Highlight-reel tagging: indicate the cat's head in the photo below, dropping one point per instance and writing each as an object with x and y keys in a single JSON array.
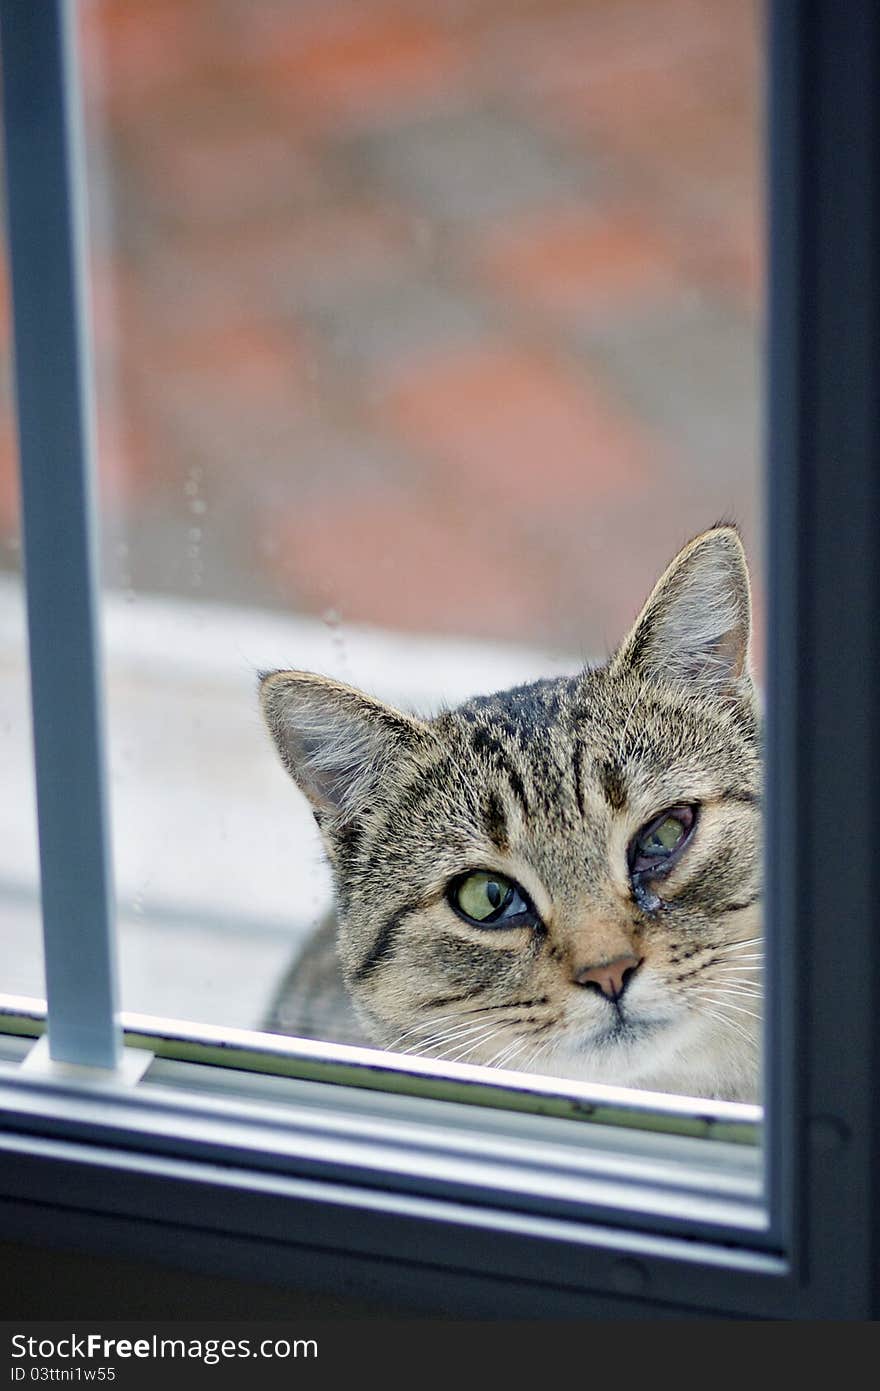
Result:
[{"x": 563, "y": 877}]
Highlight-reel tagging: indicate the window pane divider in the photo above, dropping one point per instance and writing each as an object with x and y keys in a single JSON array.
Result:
[{"x": 46, "y": 233}]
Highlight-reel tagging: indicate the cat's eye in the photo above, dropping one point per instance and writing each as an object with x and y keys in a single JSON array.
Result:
[
  {"x": 489, "y": 899},
  {"x": 657, "y": 845}
]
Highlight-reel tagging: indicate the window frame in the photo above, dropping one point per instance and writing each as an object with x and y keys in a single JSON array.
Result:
[{"x": 97, "y": 1160}]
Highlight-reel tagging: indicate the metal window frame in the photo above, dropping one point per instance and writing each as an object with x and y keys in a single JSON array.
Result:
[
  {"x": 95, "y": 1164},
  {"x": 46, "y": 221}
]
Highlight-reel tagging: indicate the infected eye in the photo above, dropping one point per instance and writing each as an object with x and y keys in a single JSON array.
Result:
[
  {"x": 656, "y": 847},
  {"x": 489, "y": 899}
]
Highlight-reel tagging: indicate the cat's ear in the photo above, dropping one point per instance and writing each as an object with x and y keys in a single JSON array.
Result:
[
  {"x": 335, "y": 742},
  {"x": 695, "y": 628}
]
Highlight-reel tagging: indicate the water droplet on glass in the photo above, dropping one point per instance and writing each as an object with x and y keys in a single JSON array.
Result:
[{"x": 423, "y": 232}]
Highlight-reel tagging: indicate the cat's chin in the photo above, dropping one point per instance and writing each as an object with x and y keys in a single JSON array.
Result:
[
  {"x": 624, "y": 1032},
  {"x": 653, "y": 1054},
  {"x": 623, "y": 1039}
]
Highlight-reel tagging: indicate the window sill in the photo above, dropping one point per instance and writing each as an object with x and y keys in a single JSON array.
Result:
[{"x": 237, "y": 1153}]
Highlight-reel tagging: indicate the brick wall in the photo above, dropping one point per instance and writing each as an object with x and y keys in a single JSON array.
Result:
[{"x": 442, "y": 316}]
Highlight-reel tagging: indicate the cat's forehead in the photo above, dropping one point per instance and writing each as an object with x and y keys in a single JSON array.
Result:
[
  {"x": 521, "y": 713},
  {"x": 620, "y": 730},
  {"x": 609, "y": 711}
]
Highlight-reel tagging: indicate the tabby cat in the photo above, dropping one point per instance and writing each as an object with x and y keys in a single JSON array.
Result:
[{"x": 562, "y": 878}]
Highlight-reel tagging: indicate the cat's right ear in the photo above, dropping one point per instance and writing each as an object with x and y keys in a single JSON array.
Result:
[
  {"x": 335, "y": 742},
  {"x": 694, "y": 631}
]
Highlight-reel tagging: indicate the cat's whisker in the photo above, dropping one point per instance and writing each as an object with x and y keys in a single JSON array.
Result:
[
  {"x": 419, "y": 1046},
  {"x": 528, "y": 1064},
  {"x": 732, "y": 987},
  {"x": 751, "y": 996},
  {"x": 541, "y": 1053},
  {"x": 454, "y": 1021},
  {"x": 520, "y": 1045},
  {"x": 728, "y": 1023},
  {"x": 512, "y": 1044},
  {"x": 518, "y": 1053},
  {"x": 456, "y": 1016},
  {"x": 507, "y": 1054},
  {"x": 422, "y": 1026},
  {"x": 484, "y": 1009},
  {"x": 471, "y": 1033},
  {"x": 514, "y": 1062},
  {"x": 462, "y": 1030},
  {"x": 426, "y": 1025},
  {"x": 745, "y": 942},
  {"x": 709, "y": 995},
  {"x": 740, "y": 1009},
  {"x": 434, "y": 1022},
  {"x": 436, "y": 1040},
  {"x": 548, "y": 1046},
  {"x": 460, "y": 1055},
  {"x": 448, "y": 1036},
  {"x": 732, "y": 1025},
  {"x": 446, "y": 1055}
]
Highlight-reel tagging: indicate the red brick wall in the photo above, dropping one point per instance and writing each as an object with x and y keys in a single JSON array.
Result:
[{"x": 443, "y": 315}]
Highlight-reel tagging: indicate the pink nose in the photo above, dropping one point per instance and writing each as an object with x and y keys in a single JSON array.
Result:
[{"x": 611, "y": 977}]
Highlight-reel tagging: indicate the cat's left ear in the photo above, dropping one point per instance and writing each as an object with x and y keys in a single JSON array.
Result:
[
  {"x": 339, "y": 745},
  {"x": 695, "y": 628}
]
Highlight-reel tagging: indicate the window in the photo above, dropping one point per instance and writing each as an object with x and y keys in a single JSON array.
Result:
[
  {"x": 668, "y": 1212},
  {"x": 339, "y": 314}
]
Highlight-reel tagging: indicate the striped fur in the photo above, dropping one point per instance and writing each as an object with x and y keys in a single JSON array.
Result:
[{"x": 548, "y": 783}]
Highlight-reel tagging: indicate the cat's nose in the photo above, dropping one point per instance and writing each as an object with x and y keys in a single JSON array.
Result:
[{"x": 610, "y": 977}]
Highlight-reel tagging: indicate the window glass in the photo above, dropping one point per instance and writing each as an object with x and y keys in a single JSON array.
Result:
[{"x": 425, "y": 336}]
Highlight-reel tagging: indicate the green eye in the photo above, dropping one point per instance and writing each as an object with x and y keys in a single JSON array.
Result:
[
  {"x": 665, "y": 836},
  {"x": 657, "y": 845},
  {"x": 481, "y": 895},
  {"x": 490, "y": 900}
]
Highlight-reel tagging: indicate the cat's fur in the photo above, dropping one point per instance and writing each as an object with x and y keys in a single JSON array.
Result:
[{"x": 548, "y": 783}]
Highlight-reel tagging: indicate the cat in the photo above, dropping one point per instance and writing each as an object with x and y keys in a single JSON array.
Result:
[{"x": 562, "y": 878}]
